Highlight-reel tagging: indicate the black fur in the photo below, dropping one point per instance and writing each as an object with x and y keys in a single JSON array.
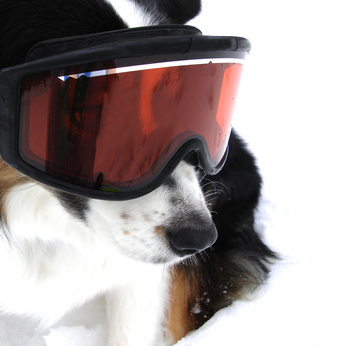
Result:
[
  {"x": 24, "y": 23},
  {"x": 238, "y": 261},
  {"x": 77, "y": 205},
  {"x": 171, "y": 12}
]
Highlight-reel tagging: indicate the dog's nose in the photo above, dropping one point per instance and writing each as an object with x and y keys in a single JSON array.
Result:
[{"x": 192, "y": 239}]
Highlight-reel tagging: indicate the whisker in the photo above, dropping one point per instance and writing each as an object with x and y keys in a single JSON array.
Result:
[
  {"x": 200, "y": 180},
  {"x": 216, "y": 185},
  {"x": 203, "y": 255},
  {"x": 213, "y": 193}
]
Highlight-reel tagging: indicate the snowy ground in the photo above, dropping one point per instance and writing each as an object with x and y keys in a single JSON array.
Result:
[{"x": 290, "y": 110}]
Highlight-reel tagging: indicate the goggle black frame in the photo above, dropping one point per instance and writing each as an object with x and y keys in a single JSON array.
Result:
[{"x": 129, "y": 47}]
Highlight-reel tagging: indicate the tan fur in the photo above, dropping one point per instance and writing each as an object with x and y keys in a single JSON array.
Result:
[
  {"x": 9, "y": 178},
  {"x": 160, "y": 230},
  {"x": 184, "y": 295}
]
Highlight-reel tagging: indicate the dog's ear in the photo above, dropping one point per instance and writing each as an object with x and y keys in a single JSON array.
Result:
[{"x": 171, "y": 11}]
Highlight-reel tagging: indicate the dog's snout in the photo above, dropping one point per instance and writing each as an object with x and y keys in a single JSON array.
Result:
[{"x": 192, "y": 239}]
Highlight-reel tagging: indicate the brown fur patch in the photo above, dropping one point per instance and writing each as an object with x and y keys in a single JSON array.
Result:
[
  {"x": 184, "y": 302},
  {"x": 125, "y": 216},
  {"x": 160, "y": 230},
  {"x": 9, "y": 178}
]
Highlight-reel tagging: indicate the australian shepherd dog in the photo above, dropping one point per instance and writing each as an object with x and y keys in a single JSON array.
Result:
[{"x": 59, "y": 250}]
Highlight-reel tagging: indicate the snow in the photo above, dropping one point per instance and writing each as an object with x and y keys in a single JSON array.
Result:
[{"x": 290, "y": 110}]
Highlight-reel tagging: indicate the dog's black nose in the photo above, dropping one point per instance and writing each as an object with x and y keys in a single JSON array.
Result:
[{"x": 192, "y": 239}]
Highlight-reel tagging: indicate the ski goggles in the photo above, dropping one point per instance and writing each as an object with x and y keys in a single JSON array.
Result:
[{"x": 111, "y": 115}]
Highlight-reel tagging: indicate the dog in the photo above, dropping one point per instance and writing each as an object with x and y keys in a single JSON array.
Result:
[{"x": 59, "y": 250}]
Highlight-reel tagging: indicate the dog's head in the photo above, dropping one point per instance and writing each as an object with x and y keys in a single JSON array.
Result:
[{"x": 165, "y": 225}]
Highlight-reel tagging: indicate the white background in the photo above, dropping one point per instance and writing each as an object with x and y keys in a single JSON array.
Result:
[{"x": 291, "y": 110}]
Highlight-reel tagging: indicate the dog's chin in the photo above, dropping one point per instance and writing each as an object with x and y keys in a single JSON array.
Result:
[{"x": 163, "y": 259}]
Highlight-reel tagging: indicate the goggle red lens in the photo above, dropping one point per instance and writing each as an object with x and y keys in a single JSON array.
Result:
[{"x": 117, "y": 127}]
